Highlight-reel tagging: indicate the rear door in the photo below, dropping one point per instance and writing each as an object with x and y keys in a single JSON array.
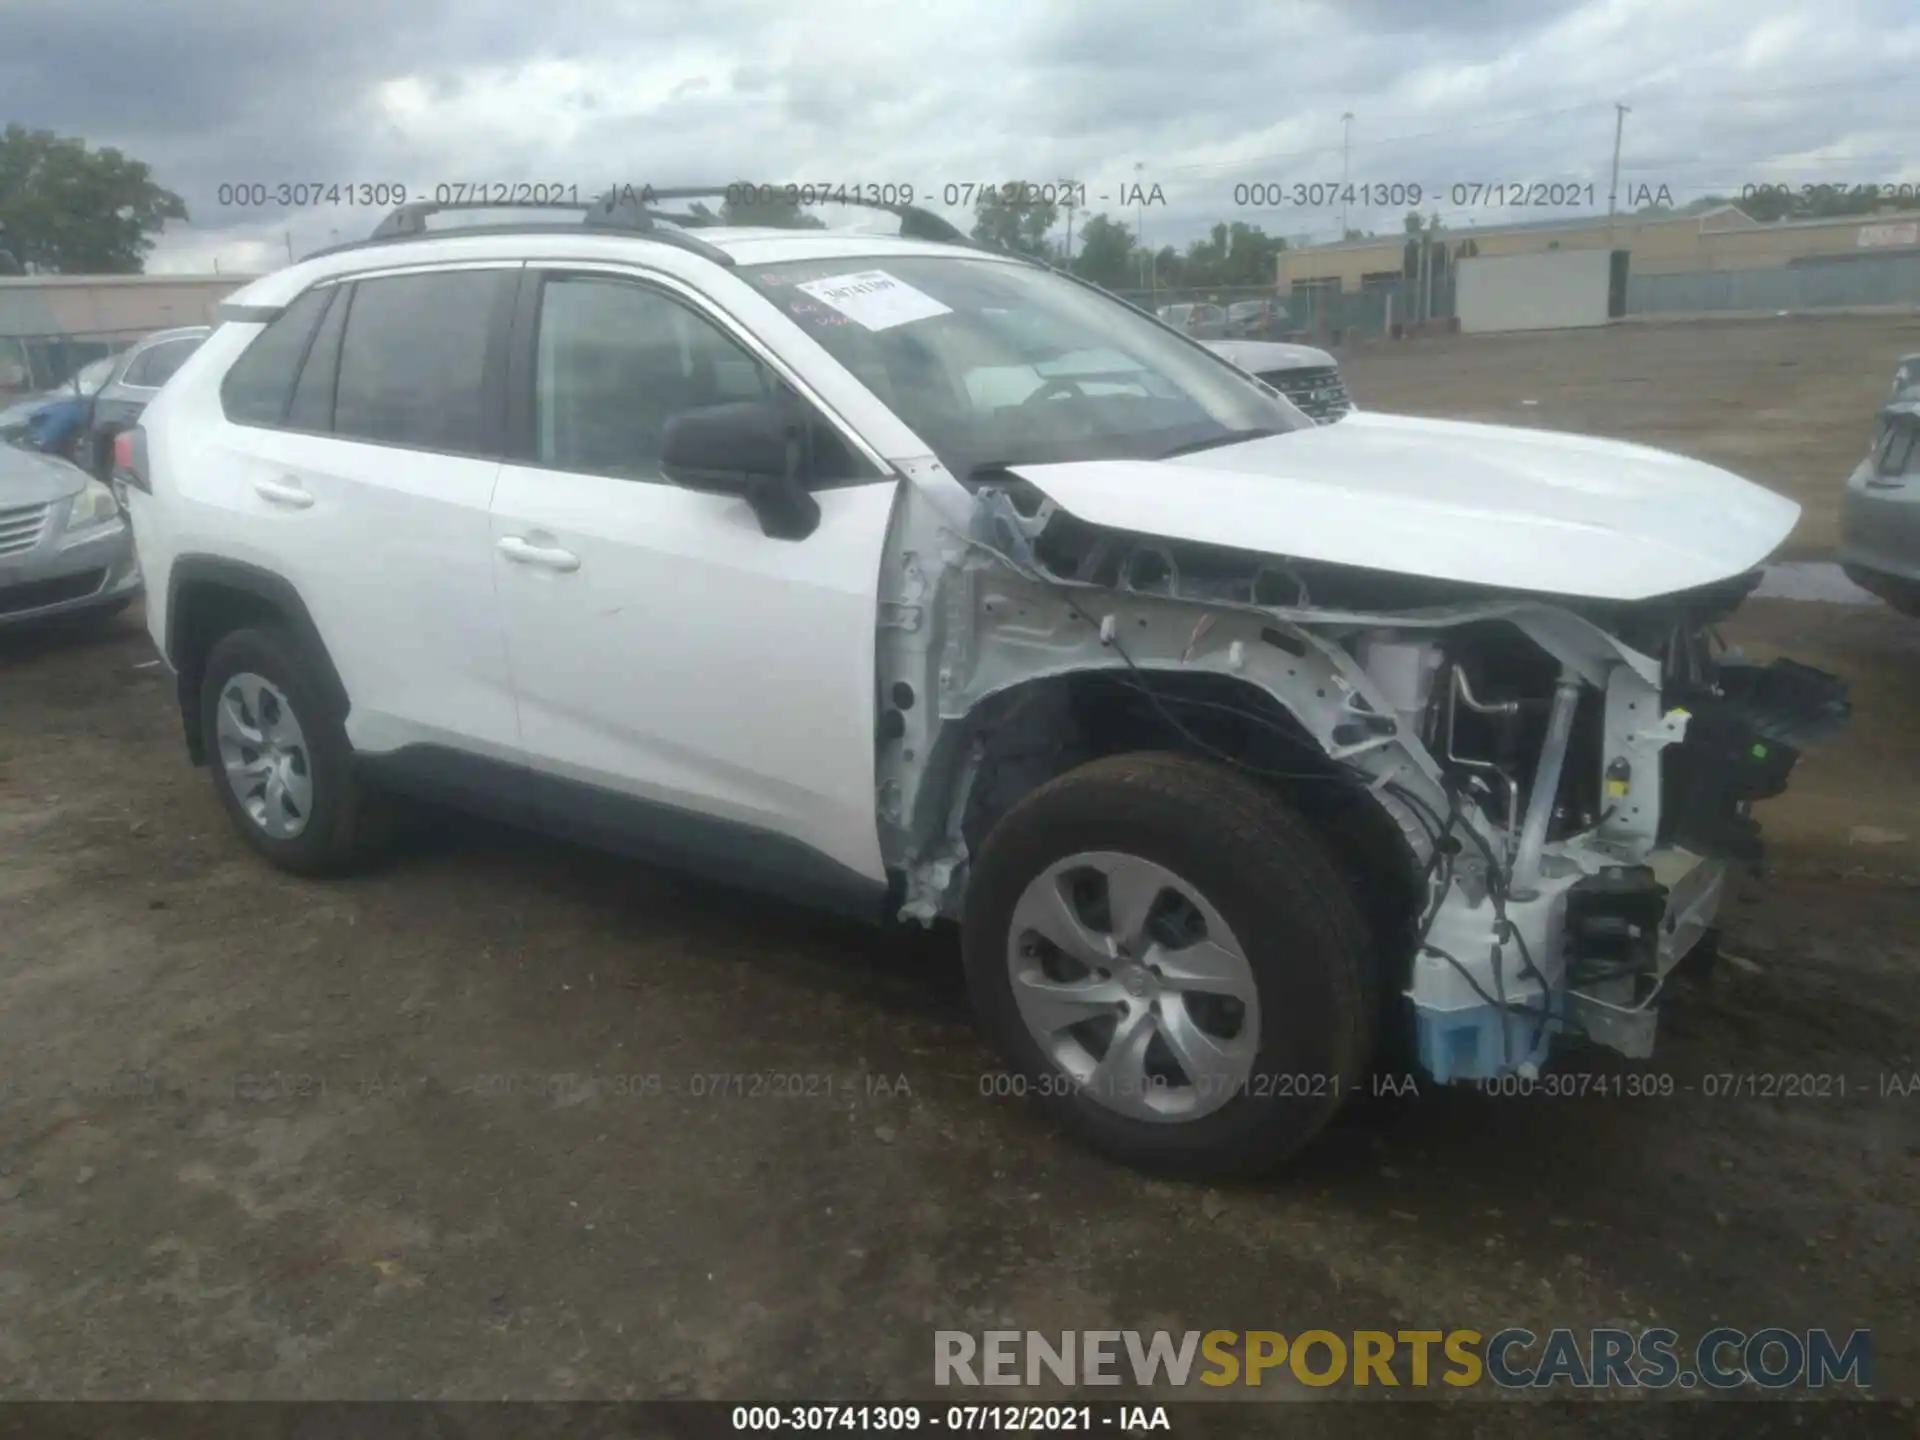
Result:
[
  {"x": 368, "y": 485},
  {"x": 688, "y": 686}
]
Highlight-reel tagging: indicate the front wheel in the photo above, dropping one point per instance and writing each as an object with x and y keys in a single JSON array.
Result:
[{"x": 1173, "y": 962}]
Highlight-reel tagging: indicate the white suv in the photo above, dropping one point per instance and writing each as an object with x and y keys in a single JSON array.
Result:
[{"x": 908, "y": 578}]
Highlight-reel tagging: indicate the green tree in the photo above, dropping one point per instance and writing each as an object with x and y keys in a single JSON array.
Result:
[
  {"x": 1107, "y": 254},
  {"x": 1237, "y": 256},
  {"x": 1016, "y": 221},
  {"x": 70, "y": 209},
  {"x": 1422, "y": 234},
  {"x": 766, "y": 207}
]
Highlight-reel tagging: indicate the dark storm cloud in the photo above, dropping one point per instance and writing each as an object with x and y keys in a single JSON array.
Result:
[{"x": 209, "y": 91}]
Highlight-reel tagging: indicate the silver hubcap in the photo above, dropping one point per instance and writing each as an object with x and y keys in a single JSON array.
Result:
[
  {"x": 1134, "y": 986},
  {"x": 264, "y": 753}
]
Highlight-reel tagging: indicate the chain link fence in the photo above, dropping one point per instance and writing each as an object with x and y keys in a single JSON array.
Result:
[
  {"x": 37, "y": 364},
  {"x": 1319, "y": 314}
]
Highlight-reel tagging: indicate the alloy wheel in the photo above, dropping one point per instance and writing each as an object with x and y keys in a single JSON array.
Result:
[
  {"x": 264, "y": 753},
  {"x": 1134, "y": 986}
]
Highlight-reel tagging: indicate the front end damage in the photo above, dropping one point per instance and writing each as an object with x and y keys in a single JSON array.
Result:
[{"x": 1561, "y": 786}]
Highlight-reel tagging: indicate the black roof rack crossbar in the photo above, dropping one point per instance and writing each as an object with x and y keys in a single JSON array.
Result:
[
  {"x": 608, "y": 212},
  {"x": 915, "y": 223}
]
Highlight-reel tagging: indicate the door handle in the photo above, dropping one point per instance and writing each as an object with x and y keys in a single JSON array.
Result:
[
  {"x": 283, "y": 492},
  {"x": 547, "y": 557}
]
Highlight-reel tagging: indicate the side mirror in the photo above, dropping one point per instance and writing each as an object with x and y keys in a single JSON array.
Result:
[{"x": 754, "y": 449}]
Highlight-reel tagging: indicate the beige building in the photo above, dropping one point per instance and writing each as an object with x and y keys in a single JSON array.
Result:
[
  {"x": 1724, "y": 238},
  {"x": 109, "y": 304}
]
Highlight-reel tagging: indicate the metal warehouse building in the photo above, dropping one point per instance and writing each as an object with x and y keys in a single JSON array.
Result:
[{"x": 1721, "y": 239}]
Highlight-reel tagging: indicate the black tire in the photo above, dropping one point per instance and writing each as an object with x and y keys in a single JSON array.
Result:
[
  {"x": 1275, "y": 884},
  {"x": 349, "y": 824}
]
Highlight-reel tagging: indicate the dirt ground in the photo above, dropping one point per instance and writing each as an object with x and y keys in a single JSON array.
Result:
[
  {"x": 1789, "y": 403},
  {"x": 435, "y": 1132}
]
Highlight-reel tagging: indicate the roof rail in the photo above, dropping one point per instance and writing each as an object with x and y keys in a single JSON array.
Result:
[{"x": 634, "y": 211}]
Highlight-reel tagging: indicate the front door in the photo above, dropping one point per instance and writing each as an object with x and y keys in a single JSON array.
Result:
[{"x": 688, "y": 686}]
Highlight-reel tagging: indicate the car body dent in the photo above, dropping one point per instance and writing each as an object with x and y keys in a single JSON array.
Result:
[{"x": 1480, "y": 504}]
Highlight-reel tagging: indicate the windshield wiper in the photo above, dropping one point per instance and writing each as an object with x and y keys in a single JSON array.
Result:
[{"x": 1232, "y": 437}]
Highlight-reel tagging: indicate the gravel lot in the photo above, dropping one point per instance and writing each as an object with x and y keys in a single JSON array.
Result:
[{"x": 398, "y": 1136}]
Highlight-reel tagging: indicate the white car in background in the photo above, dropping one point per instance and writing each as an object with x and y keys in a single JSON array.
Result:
[{"x": 1309, "y": 377}]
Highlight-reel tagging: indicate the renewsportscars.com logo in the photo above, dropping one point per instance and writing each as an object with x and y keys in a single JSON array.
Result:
[{"x": 1512, "y": 1359}]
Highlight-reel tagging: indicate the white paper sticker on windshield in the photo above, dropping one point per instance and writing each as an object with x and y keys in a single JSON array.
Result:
[{"x": 874, "y": 298}]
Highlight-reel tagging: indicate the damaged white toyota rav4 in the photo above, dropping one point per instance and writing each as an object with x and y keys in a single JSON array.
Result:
[{"x": 891, "y": 574}]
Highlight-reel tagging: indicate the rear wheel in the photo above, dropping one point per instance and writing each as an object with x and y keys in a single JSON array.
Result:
[
  {"x": 280, "y": 759},
  {"x": 1173, "y": 962}
]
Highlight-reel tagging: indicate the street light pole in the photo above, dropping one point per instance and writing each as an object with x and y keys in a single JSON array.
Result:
[
  {"x": 1140, "y": 228},
  {"x": 1613, "y": 189},
  {"x": 1346, "y": 139}
]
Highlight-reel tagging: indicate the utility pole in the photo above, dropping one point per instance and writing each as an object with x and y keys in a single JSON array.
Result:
[
  {"x": 1346, "y": 137},
  {"x": 1140, "y": 227},
  {"x": 287, "y": 235},
  {"x": 1613, "y": 189},
  {"x": 1140, "y": 215}
]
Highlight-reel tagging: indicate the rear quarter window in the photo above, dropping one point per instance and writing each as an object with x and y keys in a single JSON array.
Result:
[{"x": 257, "y": 389}]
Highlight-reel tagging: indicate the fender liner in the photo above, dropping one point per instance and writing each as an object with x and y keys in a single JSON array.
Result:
[{"x": 275, "y": 593}]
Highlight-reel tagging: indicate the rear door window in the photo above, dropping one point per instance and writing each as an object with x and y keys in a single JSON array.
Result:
[
  {"x": 414, "y": 361},
  {"x": 258, "y": 387},
  {"x": 312, "y": 407}
]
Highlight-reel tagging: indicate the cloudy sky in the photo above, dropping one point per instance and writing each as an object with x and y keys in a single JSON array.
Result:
[{"x": 1194, "y": 98}]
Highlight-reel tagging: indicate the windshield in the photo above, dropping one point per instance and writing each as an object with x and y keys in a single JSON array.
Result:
[{"x": 996, "y": 363}]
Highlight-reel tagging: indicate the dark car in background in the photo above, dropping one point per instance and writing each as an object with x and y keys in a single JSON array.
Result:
[{"x": 1880, "y": 520}]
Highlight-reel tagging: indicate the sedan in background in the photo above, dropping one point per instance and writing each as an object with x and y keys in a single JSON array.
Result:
[
  {"x": 79, "y": 418},
  {"x": 66, "y": 550},
  {"x": 1310, "y": 378},
  {"x": 1880, "y": 522},
  {"x": 136, "y": 379}
]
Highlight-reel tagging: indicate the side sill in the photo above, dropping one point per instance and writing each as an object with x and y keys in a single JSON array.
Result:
[{"x": 738, "y": 856}]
